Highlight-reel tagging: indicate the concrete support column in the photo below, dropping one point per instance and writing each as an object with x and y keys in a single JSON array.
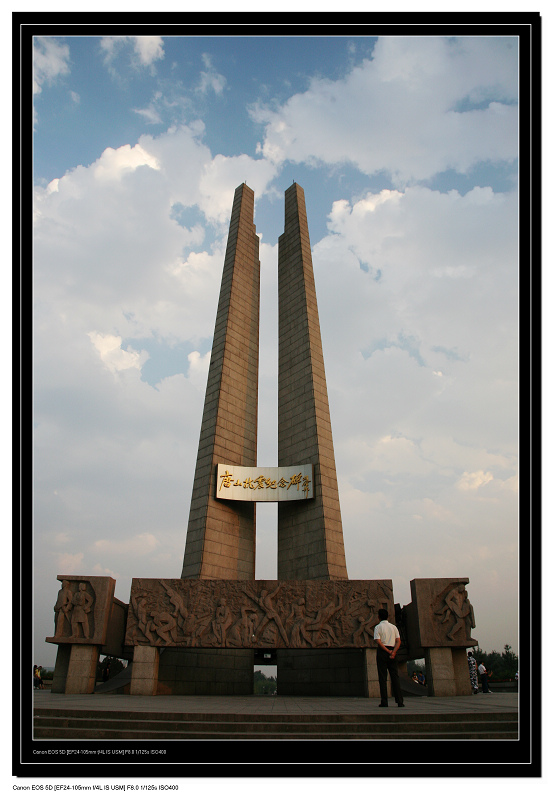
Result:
[
  {"x": 371, "y": 673},
  {"x": 441, "y": 679},
  {"x": 61, "y": 668},
  {"x": 81, "y": 672},
  {"x": 145, "y": 670},
  {"x": 461, "y": 671}
]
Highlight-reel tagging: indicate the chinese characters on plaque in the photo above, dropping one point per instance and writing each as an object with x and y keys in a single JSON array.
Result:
[{"x": 265, "y": 484}]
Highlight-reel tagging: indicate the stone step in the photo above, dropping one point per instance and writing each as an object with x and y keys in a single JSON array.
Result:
[
  {"x": 89, "y": 725},
  {"x": 175, "y": 716},
  {"x": 128, "y": 733},
  {"x": 289, "y": 725}
]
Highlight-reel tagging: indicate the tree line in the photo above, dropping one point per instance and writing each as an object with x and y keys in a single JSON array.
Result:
[
  {"x": 262, "y": 684},
  {"x": 504, "y": 666}
]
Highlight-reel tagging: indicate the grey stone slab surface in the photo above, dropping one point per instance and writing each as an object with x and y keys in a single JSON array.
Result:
[{"x": 254, "y": 704}]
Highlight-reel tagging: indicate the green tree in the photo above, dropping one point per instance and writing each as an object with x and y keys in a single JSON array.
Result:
[
  {"x": 510, "y": 661},
  {"x": 503, "y": 665},
  {"x": 262, "y": 684},
  {"x": 113, "y": 664}
]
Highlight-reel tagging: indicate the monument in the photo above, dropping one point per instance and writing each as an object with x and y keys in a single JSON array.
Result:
[{"x": 203, "y": 633}]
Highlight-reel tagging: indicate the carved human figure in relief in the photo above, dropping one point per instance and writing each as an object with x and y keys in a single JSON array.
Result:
[
  {"x": 365, "y": 612},
  {"x": 270, "y": 613},
  {"x": 241, "y": 633},
  {"x": 299, "y": 618},
  {"x": 199, "y": 621},
  {"x": 142, "y": 617},
  {"x": 62, "y": 608},
  {"x": 180, "y": 611},
  {"x": 165, "y": 625},
  {"x": 322, "y": 625},
  {"x": 361, "y": 637},
  {"x": 458, "y": 609},
  {"x": 222, "y": 621},
  {"x": 82, "y": 604}
]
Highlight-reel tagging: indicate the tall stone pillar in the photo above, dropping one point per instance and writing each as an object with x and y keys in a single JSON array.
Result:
[
  {"x": 310, "y": 535},
  {"x": 440, "y": 672},
  {"x": 81, "y": 673},
  {"x": 61, "y": 668},
  {"x": 145, "y": 671},
  {"x": 220, "y": 542},
  {"x": 371, "y": 673}
]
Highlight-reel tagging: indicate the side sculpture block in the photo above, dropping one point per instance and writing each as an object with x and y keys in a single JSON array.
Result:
[
  {"x": 439, "y": 622},
  {"x": 83, "y": 610},
  {"x": 440, "y": 614},
  {"x": 255, "y": 614}
]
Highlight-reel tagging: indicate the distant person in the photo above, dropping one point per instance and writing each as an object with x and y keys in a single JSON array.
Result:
[
  {"x": 517, "y": 675},
  {"x": 39, "y": 675},
  {"x": 36, "y": 677},
  {"x": 484, "y": 675},
  {"x": 472, "y": 666},
  {"x": 388, "y": 640}
]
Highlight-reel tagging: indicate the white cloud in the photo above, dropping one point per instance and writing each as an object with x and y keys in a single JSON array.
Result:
[
  {"x": 98, "y": 569},
  {"x": 210, "y": 78},
  {"x": 408, "y": 111},
  {"x": 221, "y": 176},
  {"x": 428, "y": 508},
  {"x": 199, "y": 368},
  {"x": 150, "y": 114},
  {"x": 381, "y": 270},
  {"x": 146, "y": 50},
  {"x": 471, "y": 481},
  {"x": 113, "y": 356},
  {"x": 141, "y": 545},
  {"x": 113, "y": 164},
  {"x": 69, "y": 563},
  {"x": 50, "y": 60}
]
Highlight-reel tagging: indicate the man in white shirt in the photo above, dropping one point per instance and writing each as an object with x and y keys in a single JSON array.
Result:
[
  {"x": 484, "y": 675},
  {"x": 388, "y": 640}
]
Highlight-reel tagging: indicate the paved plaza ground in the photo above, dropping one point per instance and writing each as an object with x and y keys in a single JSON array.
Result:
[{"x": 251, "y": 704}]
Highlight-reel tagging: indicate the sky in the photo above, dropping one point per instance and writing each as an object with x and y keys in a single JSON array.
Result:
[{"x": 407, "y": 150}]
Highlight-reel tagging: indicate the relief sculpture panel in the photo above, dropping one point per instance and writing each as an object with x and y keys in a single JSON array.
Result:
[
  {"x": 255, "y": 614},
  {"x": 443, "y": 612},
  {"x": 81, "y": 610}
]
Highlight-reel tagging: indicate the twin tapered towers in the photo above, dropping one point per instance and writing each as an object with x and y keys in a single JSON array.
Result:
[{"x": 221, "y": 533}]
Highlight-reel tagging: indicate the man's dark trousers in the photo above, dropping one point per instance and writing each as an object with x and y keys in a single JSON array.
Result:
[{"x": 386, "y": 664}]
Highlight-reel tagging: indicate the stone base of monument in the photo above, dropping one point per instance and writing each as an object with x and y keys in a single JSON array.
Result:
[
  {"x": 199, "y": 637},
  {"x": 330, "y": 673},
  {"x": 446, "y": 672},
  {"x": 205, "y": 671},
  {"x": 75, "y": 670}
]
